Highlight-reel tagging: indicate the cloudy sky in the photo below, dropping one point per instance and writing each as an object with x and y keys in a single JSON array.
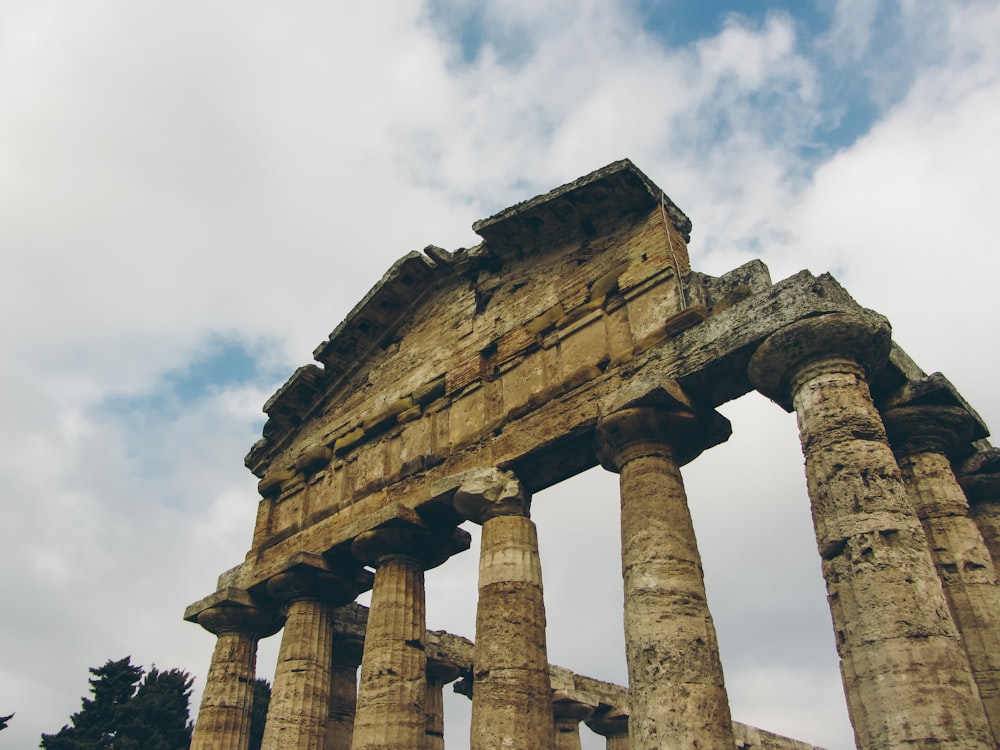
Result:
[{"x": 194, "y": 194}]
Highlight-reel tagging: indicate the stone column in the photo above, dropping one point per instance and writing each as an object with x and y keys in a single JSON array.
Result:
[
  {"x": 612, "y": 724},
  {"x": 906, "y": 677},
  {"x": 224, "y": 717},
  {"x": 923, "y": 437},
  {"x": 343, "y": 692},
  {"x": 512, "y": 691},
  {"x": 677, "y": 695},
  {"x": 300, "y": 697},
  {"x": 393, "y": 685},
  {"x": 568, "y": 714},
  {"x": 439, "y": 674},
  {"x": 979, "y": 477}
]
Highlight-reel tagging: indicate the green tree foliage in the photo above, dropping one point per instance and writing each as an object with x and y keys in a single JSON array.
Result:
[
  {"x": 258, "y": 712},
  {"x": 129, "y": 711}
]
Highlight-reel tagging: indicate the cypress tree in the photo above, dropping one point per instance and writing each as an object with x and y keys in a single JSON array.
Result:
[
  {"x": 94, "y": 725},
  {"x": 129, "y": 711}
]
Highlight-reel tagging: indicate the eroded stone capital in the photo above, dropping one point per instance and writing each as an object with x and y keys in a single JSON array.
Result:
[
  {"x": 565, "y": 707},
  {"x": 421, "y": 546},
  {"x": 611, "y": 722},
  {"x": 984, "y": 461},
  {"x": 678, "y": 434},
  {"x": 235, "y": 618},
  {"x": 442, "y": 672},
  {"x": 979, "y": 476},
  {"x": 486, "y": 493},
  {"x": 928, "y": 428},
  {"x": 304, "y": 582},
  {"x": 812, "y": 345},
  {"x": 981, "y": 488},
  {"x": 235, "y": 610}
]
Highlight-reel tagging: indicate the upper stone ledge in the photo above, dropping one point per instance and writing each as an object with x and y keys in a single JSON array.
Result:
[
  {"x": 911, "y": 433},
  {"x": 578, "y": 208},
  {"x": 397, "y": 290},
  {"x": 933, "y": 390}
]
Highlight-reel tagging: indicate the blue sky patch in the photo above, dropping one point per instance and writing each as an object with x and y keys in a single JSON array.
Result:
[
  {"x": 227, "y": 362},
  {"x": 222, "y": 363},
  {"x": 681, "y": 22}
]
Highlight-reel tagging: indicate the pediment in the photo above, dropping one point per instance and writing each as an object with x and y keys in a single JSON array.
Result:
[{"x": 440, "y": 322}]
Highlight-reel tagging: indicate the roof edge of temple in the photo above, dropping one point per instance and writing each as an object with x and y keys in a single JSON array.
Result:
[{"x": 619, "y": 187}]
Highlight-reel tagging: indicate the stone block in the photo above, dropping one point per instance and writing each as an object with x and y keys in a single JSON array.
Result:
[
  {"x": 585, "y": 349},
  {"x": 466, "y": 419},
  {"x": 648, "y": 312},
  {"x": 521, "y": 383}
]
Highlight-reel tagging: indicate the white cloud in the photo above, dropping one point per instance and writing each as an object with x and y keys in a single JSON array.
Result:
[
  {"x": 851, "y": 31},
  {"x": 905, "y": 213}
]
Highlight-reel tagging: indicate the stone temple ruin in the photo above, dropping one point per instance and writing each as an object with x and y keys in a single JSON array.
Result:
[{"x": 577, "y": 334}]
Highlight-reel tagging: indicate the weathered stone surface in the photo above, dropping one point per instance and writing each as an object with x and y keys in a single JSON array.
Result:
[
  {"x": 610, "y": 700},
  {"x": 611, "y": 722},
  {"x": 906, "y": 676},
  {"x": 300, "y": 696},
  {"x": 568, "y": 713},
  {"x": 345, "y": 660},
  {"x": 783, "y": 361},
  {"x": 484, "y": 493},
  {"x": 224, "y": 716},
  {"x": 923, "y": 436},
  {"x": 554, "y": 439},
  {"x": 512, "y": 701},
  {"x": 677, "y": 692},
  {"x": 979, "y": 476},
  {"x": 393, "y": 684},
  {"x": 439, "y": 674}
]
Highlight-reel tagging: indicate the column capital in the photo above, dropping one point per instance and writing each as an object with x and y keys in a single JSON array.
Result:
[
  {"x": 239, "y": 619},
  {"x": 442, "y": 671},
  {"x": 928, "y": 428},
  {"x": 429, "y": 548},
  {"x": 483, "y": 494},
  {"x": 979, "y": 476},
  {"x": 306, "y": 582},
  {"x": 566, "y": 707},
  {"x": 857, "y": 342},
  {"x": 673, "y": 432},
  {"x": 233, "y": 610},
  {"x": 611, "y": 722}
]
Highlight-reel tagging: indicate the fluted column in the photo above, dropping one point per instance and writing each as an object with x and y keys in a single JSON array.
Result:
[
  {"x": 677, "y": 695},
  {"x": 439, "y": 674},
  {"x": 224, "y": 717},
  {"x": 512, "y": 693},
  {"x": 343, "y": 692},
  {"x": 923, "y": 437},
  {"x": 979, "y": 477},
  {"x": 300, "y": 697},
  {"x": 393, "y": 684},
  {"x": 612, "y": 724},
  {"x": 906, "y": 677},
  {"x": 567, "y": 715}
]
